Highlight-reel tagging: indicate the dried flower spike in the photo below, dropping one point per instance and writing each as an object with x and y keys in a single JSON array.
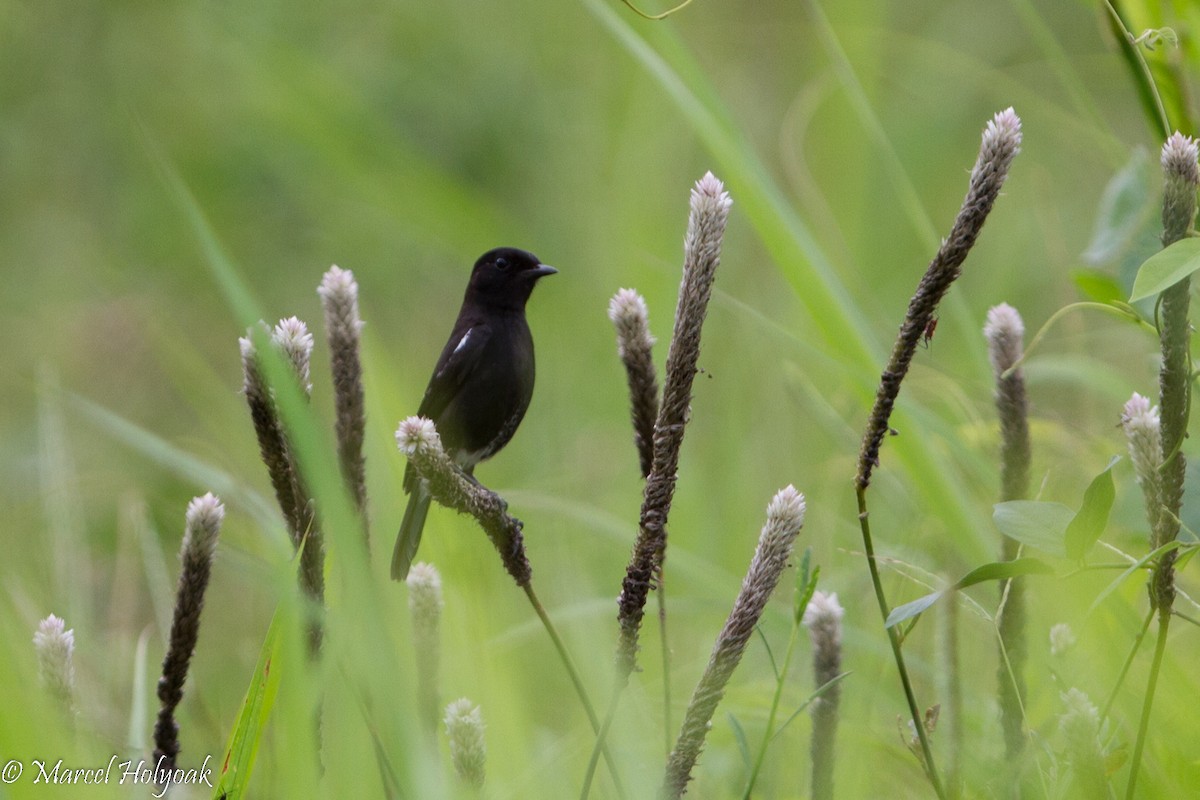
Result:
[
  {"x": 710, "y": 205},
  {"x": 203, "y": 526},
  {"x": 291, "y": 336},
  {"x": 54, "y": 644},
  {"x": 1079, "y": 726},
  {"x": 1062, "y": 639},
  {"x": 468, "y": 751},
  {"x": 1001, "y": 143},
  {"x": 272, "y": 443},
  {"x": 785, "y": 516},
  {"x": 425, "y": 610},
  {"x": 1181, "y": 177},
  {"x": 1143, "y": 432},
  {"x": 339, "y": 299},
  {"x": 823, "y": 618},
  {"x": 1005, "y": 333},
  {"x": 418, "y": 439},
  {"x": 628, "y": 313}
]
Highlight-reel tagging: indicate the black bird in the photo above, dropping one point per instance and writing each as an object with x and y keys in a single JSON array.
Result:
[{"x": 483, "y": 380}]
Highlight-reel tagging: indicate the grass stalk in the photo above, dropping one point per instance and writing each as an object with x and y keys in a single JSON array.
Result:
[
  {"x": 565, "y": 657},
  {"x": 897, "y": 653},
  {"x": 1160, "y": 647},
  {"x": 767, "y": 734}
]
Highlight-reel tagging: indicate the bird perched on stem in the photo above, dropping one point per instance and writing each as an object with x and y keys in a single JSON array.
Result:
[{"x": 483, "y": 380}]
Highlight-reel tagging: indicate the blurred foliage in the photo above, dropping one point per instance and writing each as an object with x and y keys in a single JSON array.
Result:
[{"x": 402, "y": 140}]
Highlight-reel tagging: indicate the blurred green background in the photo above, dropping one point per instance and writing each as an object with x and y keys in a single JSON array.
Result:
[{"x": 400, "y": 141}]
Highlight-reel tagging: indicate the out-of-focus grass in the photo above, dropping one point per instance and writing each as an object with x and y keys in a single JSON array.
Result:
[{"x": 402, "y": 141}]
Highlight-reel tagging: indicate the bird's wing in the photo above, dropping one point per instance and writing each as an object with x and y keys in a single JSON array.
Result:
[{"x": 461, "y": 356}]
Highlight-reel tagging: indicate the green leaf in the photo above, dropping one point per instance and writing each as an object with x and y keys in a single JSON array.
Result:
[
  {"x": 1134, "y": 567},
  {"x": 995, "y": 571},
  {"x": 137, "y": 711},
  {"x": 1087, "y": 525},
  {"x": 804, "y": 588},
  {"x": 999, "y": 570},
  {"x": 252, "y": 720},
  {"x": 911, "y": 609},
  {"x": 1097, "y": 286},
  {"x": 1124, "y": 204},
  {"x": 1166, "y": 268},
  {"x": 1035, "y": 523},
  {"x": 822, "y": 689}
]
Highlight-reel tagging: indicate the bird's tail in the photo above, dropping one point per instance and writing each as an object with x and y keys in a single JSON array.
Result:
[{"x": 410, "y": 533}]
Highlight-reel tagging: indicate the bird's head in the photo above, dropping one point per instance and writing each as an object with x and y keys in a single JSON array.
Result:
[{"x": 504, "y": 277}]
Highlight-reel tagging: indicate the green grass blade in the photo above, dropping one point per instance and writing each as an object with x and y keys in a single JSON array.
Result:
[
  {"x": 138, "y": 724},
  {"x": 180, "y": 462},
  {"x": 236, "y": 291},
  {"x": 238, "y": 763},
  {"x": 789, "y": 241}
]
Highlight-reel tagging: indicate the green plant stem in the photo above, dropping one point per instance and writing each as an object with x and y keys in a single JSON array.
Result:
[
  {"x": 1145, "y": 77},
  {"x": 1160, "y": 647},
  {"x": 1137, "y": 643},
  {"x": 656, "y": 17},
  {"x": 894, "y": 638},
  {"x": 767, "y": 734},
  {"x": 602, "y": 736},
  {"x": 1186, "y": 618},
  {"x": 1123, "y": 312},
  {"x": 565, "y": 657}
]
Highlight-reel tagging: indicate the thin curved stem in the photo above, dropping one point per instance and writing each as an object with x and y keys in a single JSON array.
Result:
[
  {"x": 601, "y": 738},
  {"x": 1146, "y": 76},
  {"x": 1160, "y": 647},
  {"x": 1057, "y": 315},
  {"x": 565, "y": 657},
  {"x": 898, "y": 654},
  {"x": 656, "y": 17},
  {"x": 768, "y": 735},
  {"x": 1137, "y": 643}
]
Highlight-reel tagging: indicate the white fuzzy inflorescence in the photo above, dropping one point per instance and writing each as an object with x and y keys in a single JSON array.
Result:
[
  {"x": 55, "y": 647},
  {"x": 785, "y": 512},
  {"x": 203, "y": 524},
  {"x": 1143, "y": 431},
  {"x": 629, "y": 314},
  {"x": 1062, "y": 639},
  {"x": 417, "y": 433},
  {"x": 292, "y": 337},
  {"x": 1179, "y": 158},
  {"x": 464, "y": 728},
  {"x": 1004, "y": 331}
]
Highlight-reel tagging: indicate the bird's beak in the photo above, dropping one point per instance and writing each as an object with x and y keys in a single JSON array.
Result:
[{"x": 541, "y": 271}]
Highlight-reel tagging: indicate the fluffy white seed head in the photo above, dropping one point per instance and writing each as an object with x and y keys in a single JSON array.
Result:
[
  {"x": 55, "y": 647},
  {"x": 1179, "y": 159},
  {"x": 417, "y": 433},
  {"x": 464, "y": 728},
  {"x": 1003, "y": 133},
  {"x": 786, "y": 509},
  {"x": 424, "y": 591},
  {"x": 292, "y": 337},
  {"x": 709, "y": 196},
  {"x": 203, "y": 524},
  {"x": 823, "y": 609},
  {"x": 1143, "y": 432},
  {"x": 1062, "y": 639},
  {"x": 629, "y": 314},
  {"x": 1005, "y": 332}
]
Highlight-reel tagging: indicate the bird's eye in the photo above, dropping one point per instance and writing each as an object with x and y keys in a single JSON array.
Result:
[{"x": 502, "y": 263}]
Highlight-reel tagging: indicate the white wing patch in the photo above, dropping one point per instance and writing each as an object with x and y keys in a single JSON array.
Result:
[{"x": 463, "y": 341}]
